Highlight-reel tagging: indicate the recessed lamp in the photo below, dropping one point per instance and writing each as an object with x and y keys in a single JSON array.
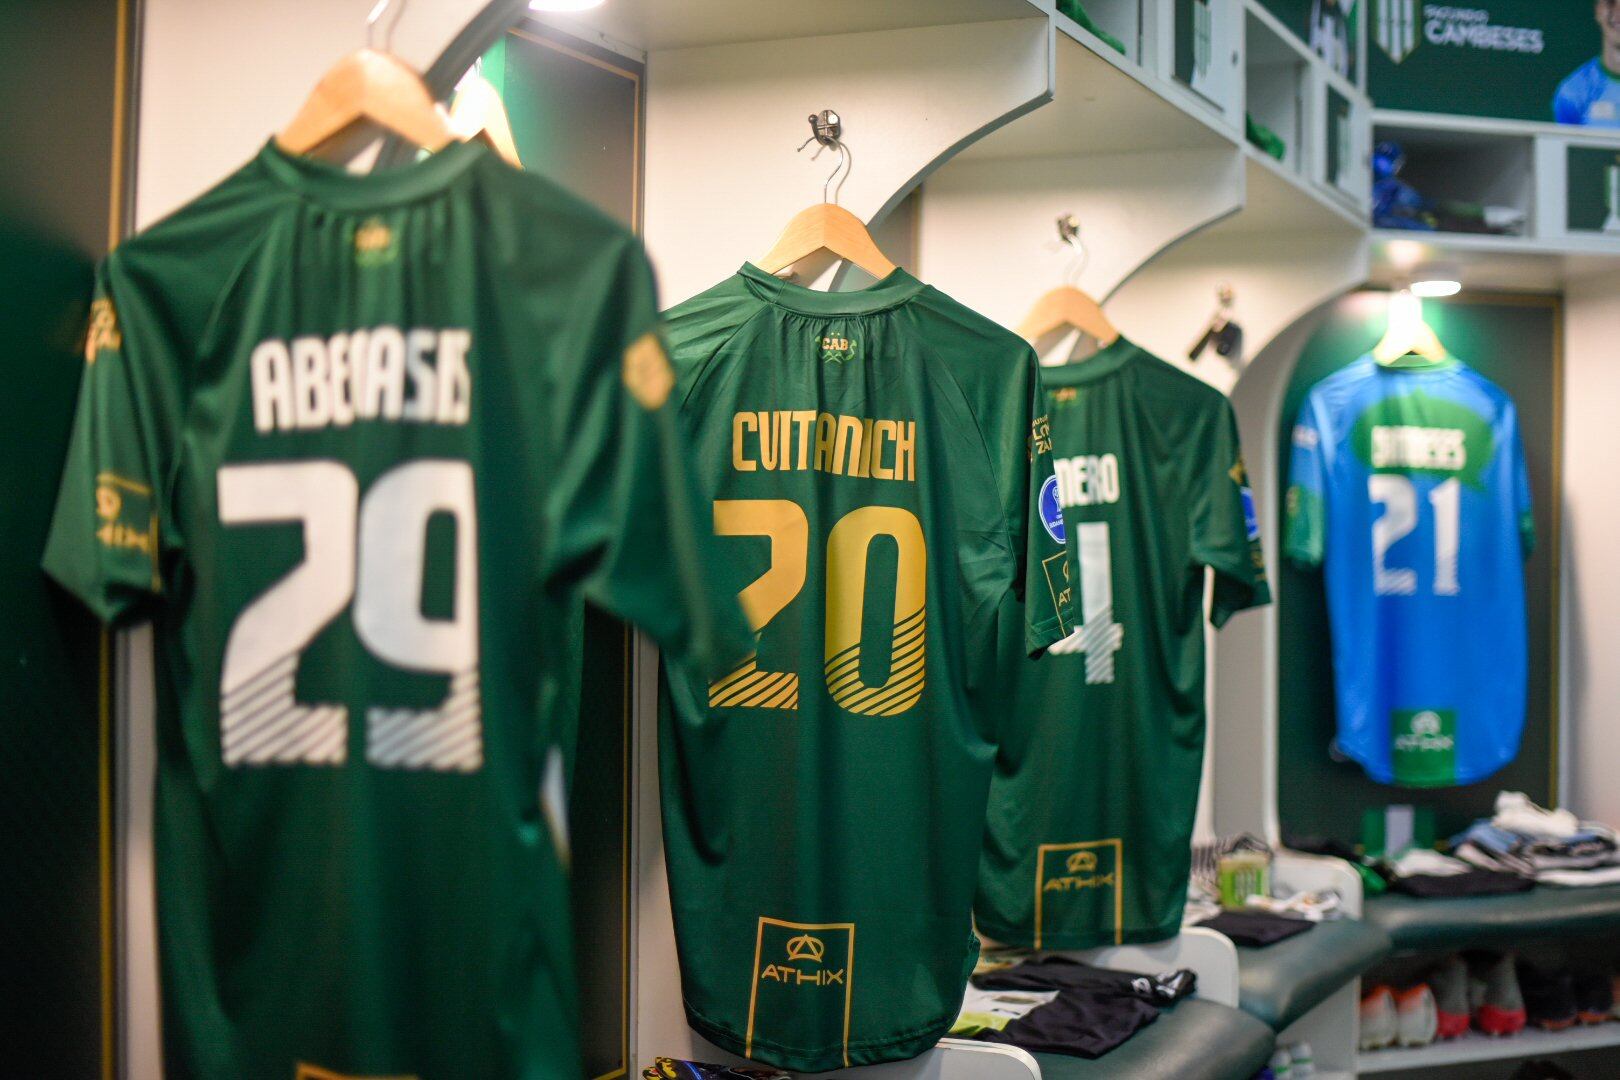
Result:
[
  {"x": 1436, "y": 287},
  {"x": 564, "y": 5}
]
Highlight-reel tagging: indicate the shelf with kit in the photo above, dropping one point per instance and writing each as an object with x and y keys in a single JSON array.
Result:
[{"x": 1474, "y": 1046}]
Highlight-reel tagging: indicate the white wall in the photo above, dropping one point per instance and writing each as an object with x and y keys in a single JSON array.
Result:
[{"x": 1591, "y": 570}]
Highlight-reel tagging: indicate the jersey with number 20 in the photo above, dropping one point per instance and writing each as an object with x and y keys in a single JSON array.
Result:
[
  {"x": 1411, "y": 485},
  {"x": 876, "y": 458},
  {"x": 356, "y": 444}
]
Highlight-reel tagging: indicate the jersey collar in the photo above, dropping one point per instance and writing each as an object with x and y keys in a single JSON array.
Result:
[
  {"x": 891, "y": 292},
  {"x": 334, "y": 186},
  {"x": 1099, "y": 365}
]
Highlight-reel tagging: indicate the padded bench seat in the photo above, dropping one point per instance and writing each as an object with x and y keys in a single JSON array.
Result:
[
  {"x": 1280, "y": 983},
  {"x": 1546, "y": 912},
  {"x": 1195, "y": 1040}
]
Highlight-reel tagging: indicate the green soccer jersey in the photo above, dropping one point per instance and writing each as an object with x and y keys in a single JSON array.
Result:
[
  {"x": 356, "y": 445},
  {"x": 1096, "y": 783},
  {"x": 877, "y": 457}
]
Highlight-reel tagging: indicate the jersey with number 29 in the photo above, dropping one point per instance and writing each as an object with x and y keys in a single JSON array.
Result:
[
  {"x": 876, "y": 457},
  {"x": 356, "y": 444},
  {"x": 1411, "y": 485}
]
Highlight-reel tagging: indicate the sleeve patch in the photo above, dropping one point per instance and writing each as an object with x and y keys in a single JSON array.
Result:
[
  {"x": 103, "y": 332},
  {"x": 647, "y": 372}
]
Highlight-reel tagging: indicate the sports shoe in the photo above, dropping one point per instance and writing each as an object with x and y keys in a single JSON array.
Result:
[
  {"x": 1416, "y": 1022},
  {"x": 1449, "y": 982},
  {"x": 1380, "y": 1024},
  {"x": 1304, "y": 1061},
  {"x": 1282, "y": 1064},
  {"x": 1500, "y": 1008},
  {"x": 1594, "y": 997},
  {"x": 1549, "y": 997}
]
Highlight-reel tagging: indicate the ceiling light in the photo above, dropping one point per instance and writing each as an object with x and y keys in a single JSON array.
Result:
[
  {"x": 564, "y": 5},
  {"x": 1435, "y": 287}
]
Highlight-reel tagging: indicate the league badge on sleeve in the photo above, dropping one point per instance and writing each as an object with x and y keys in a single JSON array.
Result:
[{"x": 1051, "y": 512}]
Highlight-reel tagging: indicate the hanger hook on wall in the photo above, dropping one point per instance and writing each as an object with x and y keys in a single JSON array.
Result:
[
  {"x": 376, "y": 14},
  {"x": 1068, "y": 229},
  {"x": 827, "y": 132}
]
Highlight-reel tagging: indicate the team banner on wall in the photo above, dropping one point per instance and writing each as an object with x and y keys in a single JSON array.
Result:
[
  {"x": 1327, "y": 26},
  {"x": 1544, "y": 60}
]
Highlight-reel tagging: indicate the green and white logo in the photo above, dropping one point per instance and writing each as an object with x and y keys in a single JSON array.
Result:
[
  {"x": 1395, "y": 27},
  {"x": 836, "y": 349},
  {"x": 1424, "y": 746}
]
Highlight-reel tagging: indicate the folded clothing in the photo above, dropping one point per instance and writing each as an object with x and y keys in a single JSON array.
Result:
[
  {"x": 674, "y": 1069},
  {"x": 1081, "y": 1023},
  {"x": 1523, "y": 838},
  {"x": 1095, "y": 1010},
  {"x": 1256, "y": 929},
  {"x": 993, "y": 1010},
  {"x": 1061, "y": 973},
  {"x": 1468, "y": 883}
]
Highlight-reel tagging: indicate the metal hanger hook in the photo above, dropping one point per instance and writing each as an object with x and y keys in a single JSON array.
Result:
[
  {"x": 846, "y": 161},
  {"x": 826, "y": 131},
  {"x": 376, "y": 14},
  {"x": 1068, "y": 227}
]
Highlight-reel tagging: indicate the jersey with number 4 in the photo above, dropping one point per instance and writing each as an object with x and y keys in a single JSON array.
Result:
[
  {"x": 356, "y": 444},
  {"x": 1096, "y": 783},
  {"x": 1411, "y": 486},
  {"x": 876, "y": 458}
]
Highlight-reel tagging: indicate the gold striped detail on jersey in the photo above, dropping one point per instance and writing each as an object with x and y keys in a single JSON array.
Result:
[
  {"x": 749, "y": 688},
  {"x": 904, "y": 686}
]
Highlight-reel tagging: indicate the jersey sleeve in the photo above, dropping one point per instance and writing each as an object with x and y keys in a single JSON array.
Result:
[
  {"x": 626, "y": 513},
  {"x": 108, "y": 532},
  {"x": 1523, "y": 505},
  {"x": 1306, "y": 527},
  {"x": 1567, "y": 106},
  {"x": 1226, "y": 533},
  {"x": 1047, "y": 595}
]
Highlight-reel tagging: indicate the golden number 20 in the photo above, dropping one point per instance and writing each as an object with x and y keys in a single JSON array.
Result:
[{"x": 784, "y": 522}]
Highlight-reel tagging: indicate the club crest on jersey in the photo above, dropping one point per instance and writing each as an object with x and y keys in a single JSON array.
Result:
[
  {"x": 375, "y": 243},
  {"x": 836, "y": 349},
  {"x": 1052, "y": 512},
  {"x": 647, "y": 372}
]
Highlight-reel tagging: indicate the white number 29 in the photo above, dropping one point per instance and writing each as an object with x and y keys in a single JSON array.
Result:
[{"x": 371, "y": 551}]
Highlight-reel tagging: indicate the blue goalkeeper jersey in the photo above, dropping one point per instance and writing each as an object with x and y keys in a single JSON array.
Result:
[{"x": 1409, "y": 487}]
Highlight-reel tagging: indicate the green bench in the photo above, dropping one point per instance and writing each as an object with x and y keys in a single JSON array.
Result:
[
  {"x": 1195, "y": 1040},
  {"x": 1280, "y": 983},
  {"x": 1544, "y": 913}
]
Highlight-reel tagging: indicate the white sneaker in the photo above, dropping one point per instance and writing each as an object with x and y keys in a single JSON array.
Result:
[
  {"x": 1419, "y": 1020},
  {"x": 1380, "y": 1025},
  {"x": 1282, "y": 1065},
  {"x": 1304, "y": 1061}
]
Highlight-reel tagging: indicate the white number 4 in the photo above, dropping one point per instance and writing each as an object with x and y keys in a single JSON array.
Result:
[
  {"x": 372, "y": 551},
  {"x": 1098, "y": 636}
]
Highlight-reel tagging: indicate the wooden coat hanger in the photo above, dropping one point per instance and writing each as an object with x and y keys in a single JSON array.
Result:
[
  {"x": 1064, "y": 307},
  {"x": 1067, "y": 306},
  {"x": 827, "y": 226},
  {"x": 368, "y": 85},
  {"x": 479, "y": 113},
  {"x": 1409, "y": 342}
]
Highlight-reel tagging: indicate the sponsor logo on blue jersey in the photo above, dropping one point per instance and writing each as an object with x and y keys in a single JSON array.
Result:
[{"x": 1051, "y": 512}]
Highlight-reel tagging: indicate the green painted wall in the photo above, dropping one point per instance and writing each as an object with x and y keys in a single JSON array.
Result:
[
  {"x": 1512, "y": 342},
  {"x": 57, "y": 77}
]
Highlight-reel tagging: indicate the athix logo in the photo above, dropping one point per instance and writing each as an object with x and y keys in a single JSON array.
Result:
[
  {"x": 836, "y": 349},
  {"x": 1425, "y": 734},
  {"x": 804, "y": 949},
  {"x": 1396, "y": 27},
  {"x": 1082, "y": 862}
]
